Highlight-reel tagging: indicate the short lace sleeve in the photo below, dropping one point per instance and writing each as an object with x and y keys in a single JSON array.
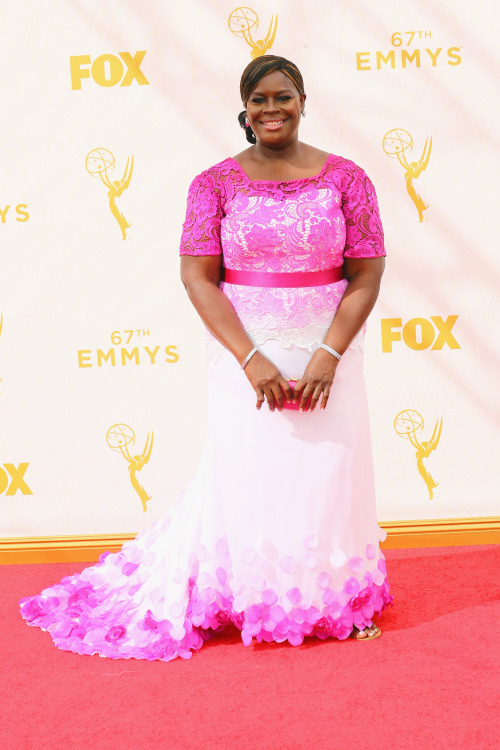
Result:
[
  {"x": 201, "y": 228},
  {"x": 364, "y": 233}
]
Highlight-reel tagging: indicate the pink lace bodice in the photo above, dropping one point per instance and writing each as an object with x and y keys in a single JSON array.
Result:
[{"x": 308, "y": 224}]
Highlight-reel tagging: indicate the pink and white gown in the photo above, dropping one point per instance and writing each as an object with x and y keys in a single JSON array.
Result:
[{"x": 277, "y": 532}]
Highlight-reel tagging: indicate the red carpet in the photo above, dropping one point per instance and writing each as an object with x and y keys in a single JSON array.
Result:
[{"x": 431, "y": 681}]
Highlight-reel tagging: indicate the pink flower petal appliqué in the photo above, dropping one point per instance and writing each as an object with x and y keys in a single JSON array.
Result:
[
  {"x": 323, "y": 580},
  {"x": 288, "y": 564},
  {"x": 269, "y": 597},
  {"x": 356, "y": 564},
  {"x": 310, "y": 560},
  {"x": 338, "y": 558},
  {"x": 311, "y": 541},
  {"x": 294, "y": 595},
  {"x": 371, "y": 551}
]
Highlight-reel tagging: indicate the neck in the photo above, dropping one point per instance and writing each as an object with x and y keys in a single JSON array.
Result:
[{"x": 285, "y": 152}]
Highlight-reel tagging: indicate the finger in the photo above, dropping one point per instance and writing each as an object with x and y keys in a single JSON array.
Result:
[
  {"x": 287, "y": 390},
  {"x": 270, "y": 399},
  {"x": 278, "y": 396},
  {"x": 316, "y": 394},
  {"x": 306, "y": 393},
  {"x": 260, "y": 399},
  {"x": 297, "y": 389},
  {"x": 324, "y": 400}
]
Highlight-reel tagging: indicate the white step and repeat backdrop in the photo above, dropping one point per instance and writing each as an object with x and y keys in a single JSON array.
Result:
[{"x": 109, "y": 109}]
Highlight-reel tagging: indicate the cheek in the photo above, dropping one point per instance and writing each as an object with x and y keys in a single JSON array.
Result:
[
  {"x": 293, "y": 108},
  {"x": 294, "y": 114}
]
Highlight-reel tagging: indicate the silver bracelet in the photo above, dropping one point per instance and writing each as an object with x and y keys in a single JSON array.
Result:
[
  {"x": 331, "y": 351},
  {"x": 248, "y": 358}
]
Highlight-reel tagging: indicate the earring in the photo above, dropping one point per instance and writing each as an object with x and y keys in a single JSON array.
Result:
[
  {"x": 303, "y": 113},
  {"x": 247, "y": 124}
]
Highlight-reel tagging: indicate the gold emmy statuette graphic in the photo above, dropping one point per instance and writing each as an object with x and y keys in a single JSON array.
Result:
[
  {"x": 119, "y": 437},
  {"x": 241, "y": 22},
  {"x": 396, "y": 143},
  {"x": 98, "y": 162},
  {"x": 406, "y": 424}
]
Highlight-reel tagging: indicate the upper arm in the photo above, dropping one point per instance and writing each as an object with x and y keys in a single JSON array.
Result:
[
  {"x": 201, "y": 228},
  {"x": 364, "y": 233},
  {"x": 201, "y": 268},
  {"x": 371, "y": 269}
]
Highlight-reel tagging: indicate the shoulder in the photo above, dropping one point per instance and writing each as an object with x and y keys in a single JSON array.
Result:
[
  {"x": 244, "y": 155},
  {"x": 216, "y": 172},
  {"x": 214, "y": 180},
  {"x": 315, "y": 155},
  {"x": 346, "y": 174},
  {"x": 339, "y": 165}
]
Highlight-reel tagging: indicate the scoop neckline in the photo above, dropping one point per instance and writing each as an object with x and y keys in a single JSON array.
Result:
[{"x": 281, "y": 182}]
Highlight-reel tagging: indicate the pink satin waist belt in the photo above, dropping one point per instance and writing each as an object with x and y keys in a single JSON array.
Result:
[{"x": 295, "y": 279}]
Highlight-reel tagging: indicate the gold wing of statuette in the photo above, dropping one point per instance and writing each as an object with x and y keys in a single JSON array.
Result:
[
  {"x": 269, "y": 40},
  {"x": 146, "y": 453},
  {"x": 424, "y": 159},
  {"x": 433, "y": 442},
  {"x": 127, "y": 176}
]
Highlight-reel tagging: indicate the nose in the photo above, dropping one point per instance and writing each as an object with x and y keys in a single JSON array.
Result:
[{"x": 270, "y": 106}]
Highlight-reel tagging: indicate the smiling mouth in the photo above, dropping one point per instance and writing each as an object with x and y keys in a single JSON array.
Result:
[{"x": 272, "y": 124}]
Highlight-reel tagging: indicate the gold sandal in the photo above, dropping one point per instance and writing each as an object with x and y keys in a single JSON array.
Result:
[{"x": 369, "y": 636}]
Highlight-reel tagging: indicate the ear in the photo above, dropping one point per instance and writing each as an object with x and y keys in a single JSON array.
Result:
[{"x": 302, "y": 100}]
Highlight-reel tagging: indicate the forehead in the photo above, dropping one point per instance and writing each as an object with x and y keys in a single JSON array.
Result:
[{"x": 275, "y": 81}]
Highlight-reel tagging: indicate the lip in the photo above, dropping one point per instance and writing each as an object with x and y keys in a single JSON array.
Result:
[{"x": 272, "y": 124}]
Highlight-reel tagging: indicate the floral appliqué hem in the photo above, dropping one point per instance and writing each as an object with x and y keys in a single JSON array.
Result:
[{"x": 78, "y": 620}]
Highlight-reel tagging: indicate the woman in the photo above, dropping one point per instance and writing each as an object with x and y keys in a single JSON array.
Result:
[{"x": 282, "y": 256}]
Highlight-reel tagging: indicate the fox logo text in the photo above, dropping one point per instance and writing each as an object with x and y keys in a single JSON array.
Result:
[
  {"x": 419, "y": 333},
  {"x": 12, "y": 479},
  {"x": 108, "y": 70}
]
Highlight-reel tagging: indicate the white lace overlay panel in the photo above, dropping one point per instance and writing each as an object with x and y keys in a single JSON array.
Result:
[{"x": 291, "y": 316}]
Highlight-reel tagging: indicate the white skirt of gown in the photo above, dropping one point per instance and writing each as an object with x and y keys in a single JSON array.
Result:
[{"x": 276, "y": 534}]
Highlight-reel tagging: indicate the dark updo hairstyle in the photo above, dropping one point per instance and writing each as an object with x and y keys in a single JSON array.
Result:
[{"x": 256, "y": 70}]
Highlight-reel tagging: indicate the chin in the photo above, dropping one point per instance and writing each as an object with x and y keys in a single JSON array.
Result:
[{"x": 281, "y": 134}]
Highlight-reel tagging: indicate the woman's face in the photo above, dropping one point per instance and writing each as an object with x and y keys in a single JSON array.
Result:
[{"x": 274, "y": 108}]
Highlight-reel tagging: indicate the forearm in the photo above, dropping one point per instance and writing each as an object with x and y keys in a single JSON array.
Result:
[
  {"x": 356, "y": 304},
  {"x": 219, "y": 316}
]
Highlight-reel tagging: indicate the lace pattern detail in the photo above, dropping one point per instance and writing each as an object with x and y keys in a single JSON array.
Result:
[
  {"x": 308, "y": 338},
  {"x": 274, "y": 313},
  {"x": 309, "y": 224}
]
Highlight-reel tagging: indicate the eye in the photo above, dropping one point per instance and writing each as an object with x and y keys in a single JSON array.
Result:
[
  {"x": 284, "y": 98},
  {"x": 257, "y": 100}
]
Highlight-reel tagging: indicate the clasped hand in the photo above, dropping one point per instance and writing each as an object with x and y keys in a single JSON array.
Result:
[{"x": 269, "y": 384}]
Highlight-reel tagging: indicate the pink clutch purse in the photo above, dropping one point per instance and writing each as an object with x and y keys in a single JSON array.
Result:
[{"x": 293, "y": 406}]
